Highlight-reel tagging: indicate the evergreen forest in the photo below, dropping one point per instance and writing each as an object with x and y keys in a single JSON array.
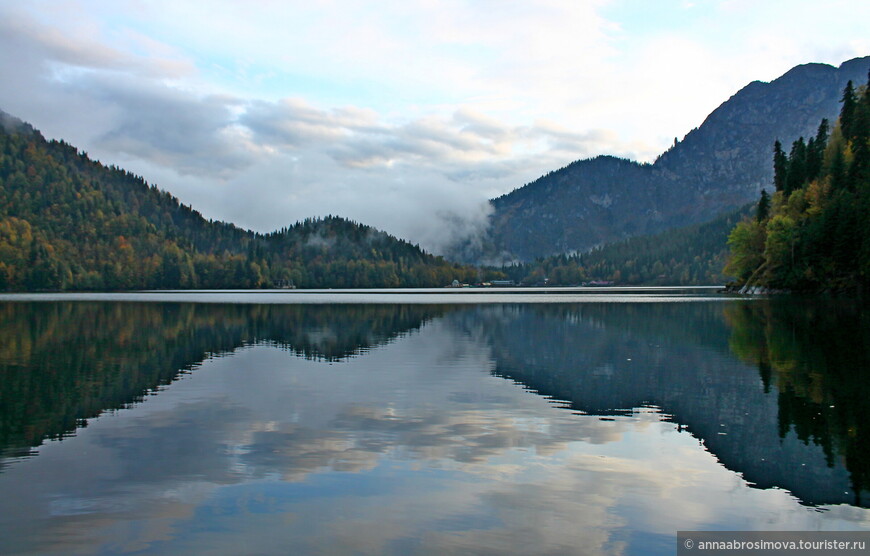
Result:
[
  {"x": 813, "y": 232},
  {"x": 690, "y": 256}
]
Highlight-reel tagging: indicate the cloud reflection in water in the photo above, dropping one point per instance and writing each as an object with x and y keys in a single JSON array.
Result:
[{"x": 412, "y": 447}]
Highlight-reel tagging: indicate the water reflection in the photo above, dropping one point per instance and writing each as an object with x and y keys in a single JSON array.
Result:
[
  {"x": 62, "y": 363},
  {"x": 816, "y": 357},
  {"x": 608, "y": 359},
  {"x": 392, "y": 429}
]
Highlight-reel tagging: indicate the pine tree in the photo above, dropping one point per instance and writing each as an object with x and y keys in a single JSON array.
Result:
[
  {"x": 797, "y": 167},
  {"x": 816, "y": 151},
  {"x": 859, "y": 170},
  {"x": 847, "y": 112},
  {"x": 780, "y": 166},
  {"x": 763, "y": 210}
]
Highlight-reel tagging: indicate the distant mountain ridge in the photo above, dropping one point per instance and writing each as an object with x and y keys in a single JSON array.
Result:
[{"x": 717, "y": 167}]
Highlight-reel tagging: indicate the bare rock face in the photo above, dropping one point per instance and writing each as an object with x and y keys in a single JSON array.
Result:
[{"x": 717, "y": 167}]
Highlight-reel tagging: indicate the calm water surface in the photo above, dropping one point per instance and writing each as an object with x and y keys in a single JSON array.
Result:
[{"x": 556, "y": 422}]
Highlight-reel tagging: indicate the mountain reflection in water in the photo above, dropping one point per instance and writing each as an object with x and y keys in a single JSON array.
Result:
[
  {"x": 791, "y": 412},
  {"x": 392, "y": 429}
]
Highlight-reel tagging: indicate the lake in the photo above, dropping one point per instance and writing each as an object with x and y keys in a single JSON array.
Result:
[{"x": 559, "y": 421}]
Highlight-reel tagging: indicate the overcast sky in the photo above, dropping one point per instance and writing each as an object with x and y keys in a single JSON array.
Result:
[{"x": 405, "y": 115}]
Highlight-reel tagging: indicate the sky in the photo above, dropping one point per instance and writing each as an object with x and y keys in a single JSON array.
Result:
[{"x": 405, "y": 115}]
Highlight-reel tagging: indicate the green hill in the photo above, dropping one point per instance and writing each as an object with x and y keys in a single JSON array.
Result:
[{"x": 70, "y": 223}]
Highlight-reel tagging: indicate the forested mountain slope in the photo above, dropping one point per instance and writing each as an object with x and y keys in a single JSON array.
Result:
[
  {"x": 813, "y": 233},
  {"x": 692, "y": 255},
  {"x": 69, "y": 222},
  {"x": 717, "y": 167}
]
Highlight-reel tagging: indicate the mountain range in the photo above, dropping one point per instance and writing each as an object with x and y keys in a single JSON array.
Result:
[
  {"x": 716, "y": 168},
  {"x": 70, "y": 222}
]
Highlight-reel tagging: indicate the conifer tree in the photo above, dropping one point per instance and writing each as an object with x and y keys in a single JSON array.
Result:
[
  {"x": 847, "y": 112},
  {"x": 780, "y": 166},
  {"x": 763, "y": 209},
  {"x": 797, "y": 167},
  {"x": 816, "y": 151},
  {"x": 859, "y": 171}
]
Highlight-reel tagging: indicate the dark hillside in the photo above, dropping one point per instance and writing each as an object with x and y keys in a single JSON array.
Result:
[{"x": 692, "y": 255}]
